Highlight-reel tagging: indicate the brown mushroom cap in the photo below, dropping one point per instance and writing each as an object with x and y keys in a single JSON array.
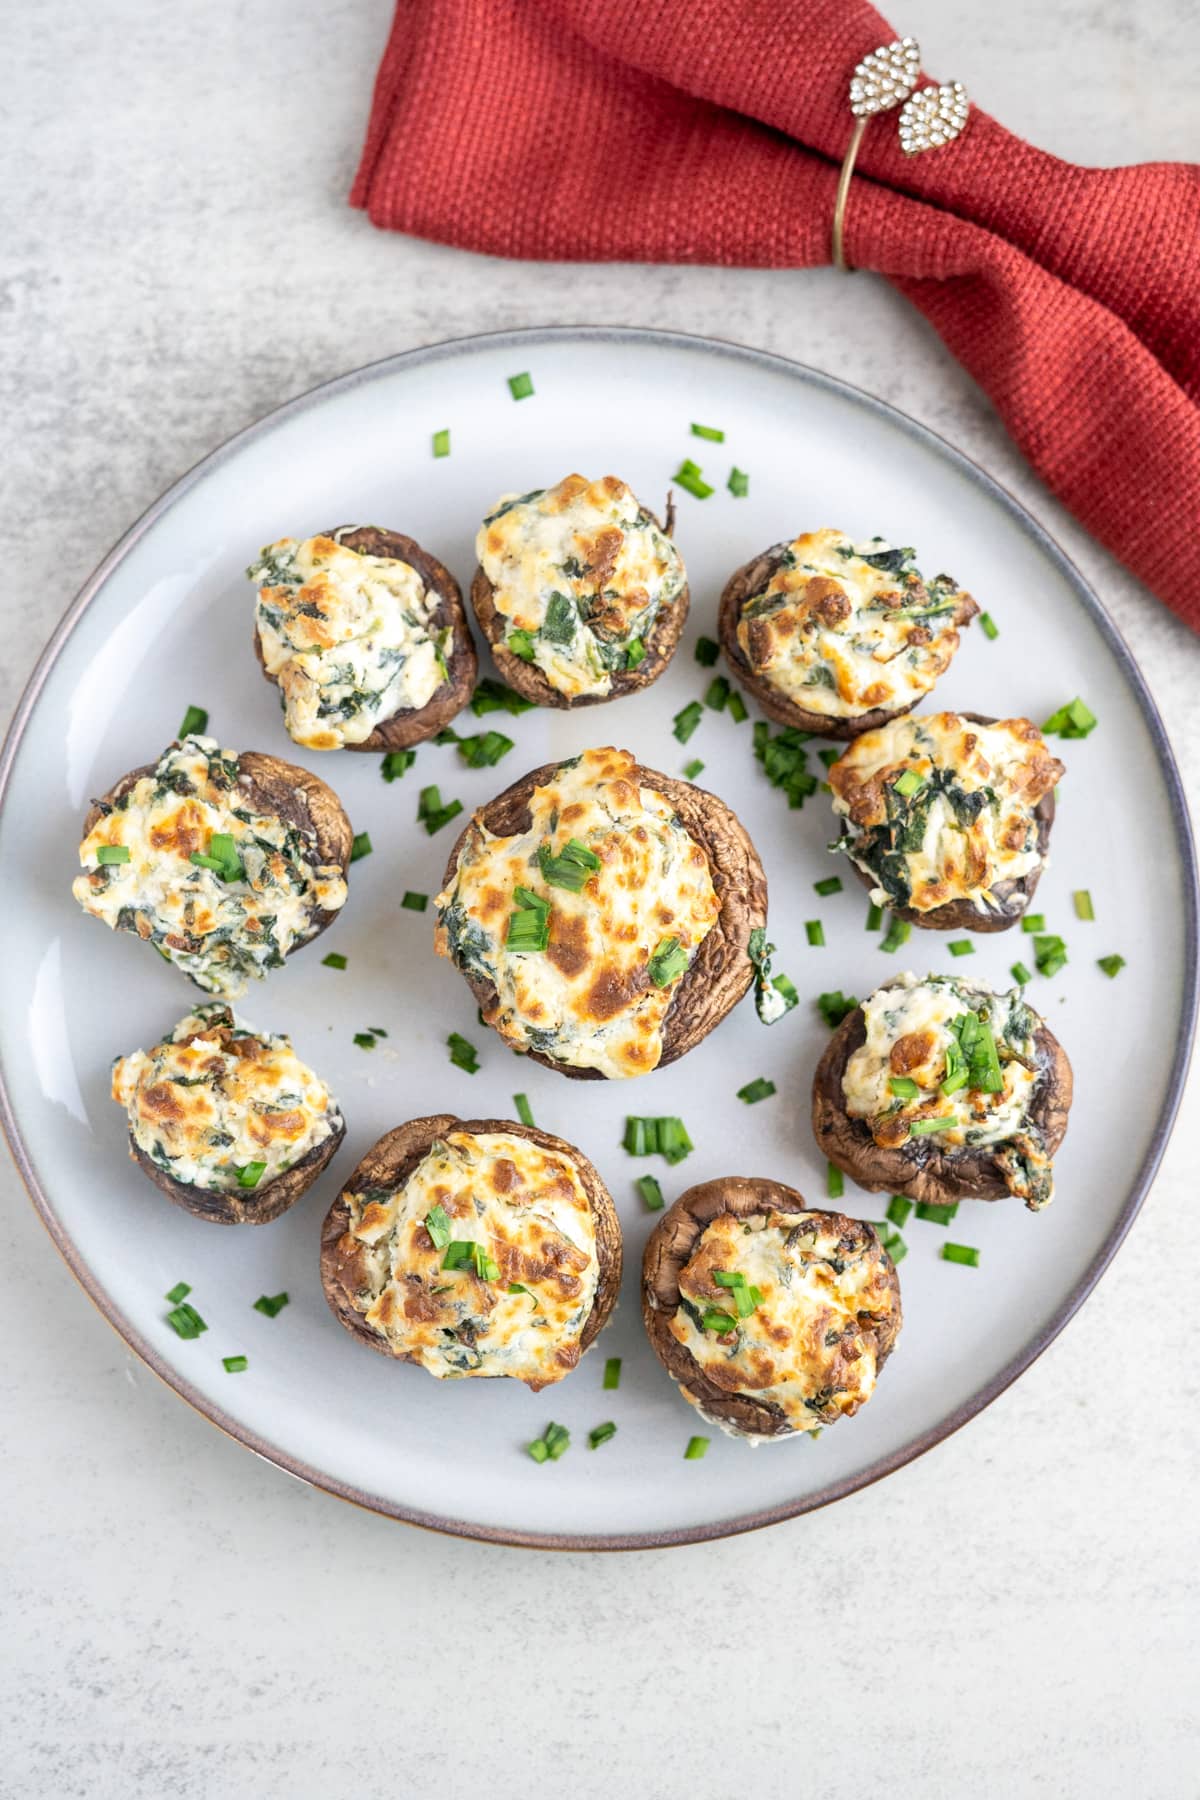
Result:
[
  {"x": 251, "y": 1206},
  {"x": 413, "y": 724},
  {"x": 1012, "y": 896},
  {"x": 669, "y": 1249},
  {"x": 721, "y": 970},
  {"x": 392, "y": 1160},
  {"x": 742, "y": 586},
  {"x": 923, "y": 1168},
  {"x": 530, "y": 681}
]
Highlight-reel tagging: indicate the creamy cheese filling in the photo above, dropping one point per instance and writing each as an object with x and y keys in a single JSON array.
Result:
[
  {"x": 801, "y": 1345},
  {"x": 938, "y": 808},
  {"x": 619, "y": 935},
  {"x": 841, "y": 628},
  {"x": 222, "y": 1106},
  {"x": 516, "y": 1302},
  {"x": 580, "y": 573},
  {"x": 349, "y": 638},
  {"x": 219, "y": 925}
]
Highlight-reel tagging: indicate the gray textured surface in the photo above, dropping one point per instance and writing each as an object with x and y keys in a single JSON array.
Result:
[{"x": 1017, "y": 1613}]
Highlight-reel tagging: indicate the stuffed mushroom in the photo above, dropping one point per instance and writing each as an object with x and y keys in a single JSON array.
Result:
[
  {"x": 602, "y": 914},
  {"x": 227, "y": 1120},
  {"x": 579, "y": 591},
  {"x": 837, "y": 637},
  {"x": 226, "y": 861},
  {"x": 772, "y": 1317},
  {"x": 474, "y": 1247},
  {"x": 946, "y": 818},
  {"x": 940, "y": 1089},
  {"x": 366, "y": 637}
]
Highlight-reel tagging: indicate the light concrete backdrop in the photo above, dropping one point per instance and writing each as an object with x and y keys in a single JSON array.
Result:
[{"x": 1014, "y": 1615}]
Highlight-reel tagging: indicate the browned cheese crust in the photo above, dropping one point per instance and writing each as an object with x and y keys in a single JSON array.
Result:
[
  {"x": 528, "y": 679},
  {"x": 721, "y": 970},
  {"x": 389, "y": 1163},
  {"x": 669, "y": 1249},
  {"x": 742, "y": 585},
  {"x": 1013, "y": 896},
  {"x": 922, "y": 1168},
  {"x": 414, "y": 724},
  {"x": 255, "y": 1206}
]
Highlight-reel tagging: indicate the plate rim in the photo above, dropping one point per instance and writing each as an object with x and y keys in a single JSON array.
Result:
[{"x": 795, "y": 370}]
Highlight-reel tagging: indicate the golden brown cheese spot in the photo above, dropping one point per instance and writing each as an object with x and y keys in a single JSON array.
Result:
[
  {"x": 568, "y": 949},
  {"x": 529, "y": 1211}
]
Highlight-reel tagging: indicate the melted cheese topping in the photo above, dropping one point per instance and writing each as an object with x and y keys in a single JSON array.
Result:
[
  {"x": 841, "y": 628},
  {"x": 216, "y": 1096},
  {"x": 969, "y": 821},
  {"x": 218, "y": 932},
  {"x": 803, "y": 1347},
  {"x": 528, "y": 1210},
  {"x": 910, "y": 1037},
  {"x": 589, "y": 999},
  {"x": 584, "y": 570},
  {"x": 349, "y": 638}
]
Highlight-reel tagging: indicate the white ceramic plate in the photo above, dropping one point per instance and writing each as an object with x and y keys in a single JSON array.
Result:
[{"x": 165, "y": 622}]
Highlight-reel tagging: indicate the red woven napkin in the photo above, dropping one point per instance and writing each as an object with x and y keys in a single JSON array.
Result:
[{"x": 711, "y": 131}]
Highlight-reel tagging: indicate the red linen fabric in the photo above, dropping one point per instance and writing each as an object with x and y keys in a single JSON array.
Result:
[{"x": 711, "y": 131}]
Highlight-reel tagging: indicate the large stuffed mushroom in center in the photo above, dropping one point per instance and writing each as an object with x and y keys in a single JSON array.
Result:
[{"x": 602, "y": 914}]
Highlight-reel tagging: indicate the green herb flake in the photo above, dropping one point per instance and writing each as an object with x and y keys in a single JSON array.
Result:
[
  {"x": 270, "y": 1304},
  {"x": 112, "y": 853},
  {"x": 814, "y": 931},
  {"x": 437, "y": 1224},
  {"x": 711, "y": 432},
  {"x": 687, "y": 720},
  {"x": 494, "y": 696},
  {"x": 612, "y": 1373},
  {"x": 523, "y": 1109},
  {"x": 441, "y": 443},
  {"x": 233, "y": 1365},
  {"x": 396, "y": 764},
  {"x": 874, "y": 917},
  {"x": 1083, "y": 905},
  {"x": 707, "y": 652},
  {"x": 898, "y": 933},
  {"x": 365, "y": 1040},
  {"x": 1074, "y": 720},
  {"x": 335, "y": 960},
  {"x": 961, "y": 947},
  {"x": 1021, "y": 974},
  {"x": 521, "y": 644},
  {"x": 185, "y": 1321},
  {"x": 692, "y": 480},
  {"x": 668, "y": 962},
  {"x": 696, "y": 1448},
  {"x": 835, "y": 1006},
  {"x": 195, "y": 722},
  {"x": 717, "y": 693},
  {"x": 899, "y": 1209},
  {"x": 936, "y": 1215},
  {"x": 738, "y": 483},
  {"x": 600, "y": 1434},
  {"x": 651, "y": 1193},
  {"x": 1112, "y": 965},
  {"x": 250, "y": 1174},
  {"x": 179, "y": 1292},
  {"x": 903, "y": 1086},
  {"x": 463, "y": 1053},
  {"x": 1049, "y": 954},
  {"x": 520, "y": 386},
  {"x": 835, "y": 1181},
  {"x": 694, "y": 768},
  {"x": 960, "y": 1253},
  {"x": 362, "y": 846},
  {"x": 925, "y": 1127},
  {"x": 413, "y": 902},
  {"x": 909, "y": 783},
  {"x": 832, "y": 884},
  {"x": 758, "y": 1089},
  {"x": 432, "y": 813},
  {"x": 570, "y": 867},
  {"x": 635, "y": 653},
  {"x": 988, "y": 626},
  {"x": 1033, "y": 922}
]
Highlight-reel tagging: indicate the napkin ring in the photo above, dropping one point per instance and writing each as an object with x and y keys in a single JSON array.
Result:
[{"x": 929, "y": 117}]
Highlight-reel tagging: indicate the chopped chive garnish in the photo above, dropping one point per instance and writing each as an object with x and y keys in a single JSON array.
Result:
[
  {"x": 739, "y": 483},
  {"x": 250, "y": 1174},
  {"x": 715, "y": 1318},
  {"x": 112, "y": 853},
  {"x": 1112, "y": 965},
  {"x": 195, "y": 722},
  {"x": 520, "y": 386},
  {"x": 668, "y": 962},
  {"x": 1020, "y": 974},
  {"x": 441, "y": 443},
  {"x": 687, "y": 720},
  {"x": 414, "y": 902},
  {"x": 335, "y": 960},
  {"x": 377, "y": 1030},
  {"x": 270, "y": 1304},
  {"x": 737, "y": 708},
  {"x": 635, "y": 653},
  {"x": 600, "y": 1434},
  {"x": 186, "y": 1321},
  {"x": 696, "y": 1448},
  {"x": 437, "y": 1224},
  {"x": 814, "y": 931},
  {"x": 459, "y": 1252},
  {"x": 652, "y": 1194},
  {"x": 903, "y": 1086},
  {"x": 717, "y": 693},
  {"x": 707, "y": 652},
  {"x": 397, "y": 763},
  {"x": 936, "y": 1215},
  {"x": 899, "y": 1208},
  {"x": 538, "y": 1450},
  {"x": 960, "y": 1253},
  {"x": 365, "y": 1040},
  {"x": 1083, "y": 905},
  {"x": 924, "y": 1127},
  {"x": 463, "y": 1053},
  {"x": 784, "y": 760},
  {"x": 431, "y": 813},
  {"x": 523, "y": 1109},
  {"x": 494, "y": 696},
  {"x": 829, "y": 757},
  {"x": 521, "y": 644},
  {"x": 528, "y": 925},
  {"x": 909, "y": 783},
  {"x": 362, "y": 846},
  {"x": 1075, "y": 720},
  {"x": 483, "y": 750},
  {"x": 834, "y": 1007},
  {"x": 710, "y": 432},
  {"x": 891, "y": 1240},
  {"x": 569, "y": 868},
  {"x": 874, "y": 917},
  {"x": 485, "y": 1267},
  {"x": 832, "y": 884},
  {"x": 689, "y": 476},
  {"x": 1049, "y": 954},
  {"x": 556, "y": 1439},
  {"x": 835, "y": 1181},
  {"x": 612, "y": 1373},
  {"x": 899, "y": 932},
  {"x": 786, "y": 987},
  {"x": 518, "y": 1287},
  {"x": 181, "y": 1290},
  {"x": 665, "y": 1137},
  {"x": 758, "y": 1089},
  {"x": 988, "y": 626},
  {"x": 1033, "y": 922},
  {"x": 961, "y": 947},
  {"x": 233, "y": 1365},
  {"x": 694, "y": 768}
]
